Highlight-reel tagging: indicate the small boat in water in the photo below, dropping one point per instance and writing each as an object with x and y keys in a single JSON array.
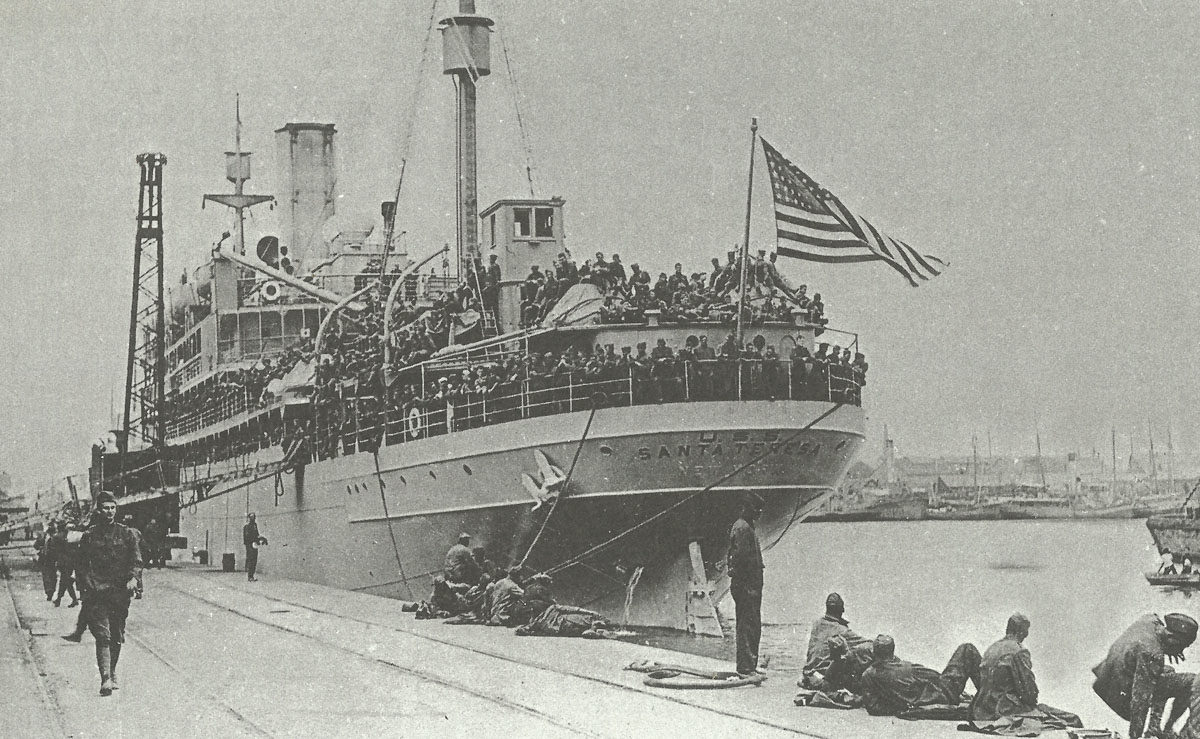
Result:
[{"x": 1179, "y": 581}]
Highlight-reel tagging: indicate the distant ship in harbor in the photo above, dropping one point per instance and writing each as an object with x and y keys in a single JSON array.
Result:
[{"x": 878, "y": 494}]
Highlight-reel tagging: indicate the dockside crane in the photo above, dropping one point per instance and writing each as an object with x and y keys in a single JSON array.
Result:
[{"x": 145, "y": 366}]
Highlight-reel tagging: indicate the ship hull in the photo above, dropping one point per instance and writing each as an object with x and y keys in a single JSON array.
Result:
[
  {"x": 381, "y": 523},
  {"x": 1177, "y": 534},
  {"x": 987, "y": 512},
  {"x": 1020, "y": 511},
  {"x": 906, "y": 510},
  {"x": 1116, "y": 511}
]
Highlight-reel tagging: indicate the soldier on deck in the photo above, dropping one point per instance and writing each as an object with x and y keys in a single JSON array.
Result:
[{"x": 110, "y": 570}]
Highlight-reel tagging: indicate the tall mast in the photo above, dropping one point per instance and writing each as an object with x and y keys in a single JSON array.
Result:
[
  {"x": 741, "y": 333},
  {"x": 1170, "y": 462},
  {"x": 1153, "y": 461},
  {"x": 1037, "y": 435},
  {"x": 237, "y": 171},
  {"x": 1114, "y": 460},
  {"x": 466, "y": 55},
  {"x": 975, "y": 464}
]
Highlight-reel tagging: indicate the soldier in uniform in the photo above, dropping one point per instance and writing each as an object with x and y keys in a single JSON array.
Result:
[
  {"x": 65, "y": 554},
  {"x": 110, "y": 573},
  {"x": 746, "y": 583},
  {"x": 46, "y": 546},
  {"x": 252, "y": 539},
  {"x": 1135, "y": 681}
]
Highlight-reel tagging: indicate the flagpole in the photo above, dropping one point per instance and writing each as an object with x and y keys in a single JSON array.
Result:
[{"x": 741, "y": 333}]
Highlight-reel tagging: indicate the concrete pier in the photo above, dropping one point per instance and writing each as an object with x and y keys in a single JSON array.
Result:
[{"x": 210, "y": 654}]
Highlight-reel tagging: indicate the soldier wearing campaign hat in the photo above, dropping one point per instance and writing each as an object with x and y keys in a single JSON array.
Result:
[
  {"x": 110, "y": 570},
  {"x": 1135, "y": 681},
  {"x": 746, "y": 583}
]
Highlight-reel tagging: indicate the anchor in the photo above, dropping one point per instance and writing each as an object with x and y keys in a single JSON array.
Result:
[{"x": 547, "y": 486}]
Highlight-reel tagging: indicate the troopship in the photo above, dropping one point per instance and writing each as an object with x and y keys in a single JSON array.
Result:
[{"x": 368, "y": 410}]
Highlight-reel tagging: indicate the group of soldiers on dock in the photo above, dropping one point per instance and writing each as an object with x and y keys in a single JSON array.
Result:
[
  {"x": 845, "y": 670},
  {"x": 842, "y": 669}
]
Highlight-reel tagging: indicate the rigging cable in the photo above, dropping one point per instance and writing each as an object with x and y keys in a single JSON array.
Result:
[
  {"x": 597, "y": 401},
  {"x": 605, "y": 544},
  {"x": 516, "y": 96},
  {"x": 391, "y": 531},
  {"x": 408, "y": 132}
]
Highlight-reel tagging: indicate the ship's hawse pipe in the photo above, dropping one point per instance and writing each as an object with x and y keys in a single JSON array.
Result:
[
  {"x": 391, "y": 301},
  {"x": 319, "y": 293}
]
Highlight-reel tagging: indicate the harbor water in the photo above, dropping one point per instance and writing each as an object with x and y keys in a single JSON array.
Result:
[{"x": 934, "y": 584}]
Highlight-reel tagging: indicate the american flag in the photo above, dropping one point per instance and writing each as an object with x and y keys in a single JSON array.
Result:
[{"x": 826, "y": 231}]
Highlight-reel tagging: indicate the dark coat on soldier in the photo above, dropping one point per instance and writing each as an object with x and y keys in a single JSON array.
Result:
[
  {"x": 110, "y": 556},
  {"x": 1007, "y": 685},
  {"x": 250, "y": 535},
  {"x": 745, "y": 556},
  {"x": 819, "y": 658},
  {"x": 1126, "y": 679},
  {"x": 892, "y": 685}
]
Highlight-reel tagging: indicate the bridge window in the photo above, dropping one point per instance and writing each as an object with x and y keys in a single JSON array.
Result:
[
  {"x": 522, "y": 222},
  {"x": 544, "y": 225}
]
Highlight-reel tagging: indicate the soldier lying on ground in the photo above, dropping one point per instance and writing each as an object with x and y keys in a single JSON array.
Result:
[{"x": 890, "y": 685}]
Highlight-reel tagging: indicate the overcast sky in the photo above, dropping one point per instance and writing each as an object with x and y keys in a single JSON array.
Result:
[{"x": 1046, "y": 150}]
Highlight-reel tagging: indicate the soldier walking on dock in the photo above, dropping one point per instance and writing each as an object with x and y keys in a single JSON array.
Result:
[
  {"x": 746, "y": 583},
  {"x": 252, "y": 539},
  {"x": 110, "y": 572},
  {"x": 45, "y": 546}
]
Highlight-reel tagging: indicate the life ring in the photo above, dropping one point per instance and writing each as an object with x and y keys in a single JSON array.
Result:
[
  {"x": 414, "y": 423},
  {"x": 271, "y": 291}
]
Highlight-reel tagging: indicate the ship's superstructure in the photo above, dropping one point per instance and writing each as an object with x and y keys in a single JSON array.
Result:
[{"x": 369, "y": 411}]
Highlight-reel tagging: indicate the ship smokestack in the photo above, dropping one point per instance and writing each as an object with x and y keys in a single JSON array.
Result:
[
  {"x": 466, "y": 54},
  {"x": 307, "y": 188}
]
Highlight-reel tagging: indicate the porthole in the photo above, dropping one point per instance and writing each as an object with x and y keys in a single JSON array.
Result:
[
  {"x": 432, "y": 475},
  {"x": 606, "y": 450},
  {"x": 403, "y": 481},
  {"x": 467, "y": 470}
]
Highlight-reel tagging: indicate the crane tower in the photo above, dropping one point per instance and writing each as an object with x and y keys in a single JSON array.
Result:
[{"x": 145, "y": 367}]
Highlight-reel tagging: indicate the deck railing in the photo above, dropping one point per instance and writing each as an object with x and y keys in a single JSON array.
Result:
[{"x": 363, "y": 423}]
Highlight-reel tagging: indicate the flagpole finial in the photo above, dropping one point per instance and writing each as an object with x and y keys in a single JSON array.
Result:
[{"x": 754, "y": 124}]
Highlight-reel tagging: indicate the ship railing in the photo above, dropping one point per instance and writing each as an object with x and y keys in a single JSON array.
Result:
[
  {"x": 256, "y": 291},
  {"x": 230, "y": 405},
  {"x": 364, "y": 423}
]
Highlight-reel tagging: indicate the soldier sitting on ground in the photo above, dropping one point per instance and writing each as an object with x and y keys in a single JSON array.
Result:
[
  {"x": 1008, "y": 691},
  {"x": 824, "y": 657}
]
